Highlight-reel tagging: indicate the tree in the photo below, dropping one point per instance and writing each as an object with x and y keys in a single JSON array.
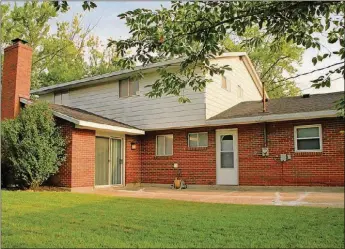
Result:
[
  {"x": 57, "y": 57},
  {"x": 271, "y": 60},
  {"x": 32, "y": 146},
  {"x": 195, "y": 31}
]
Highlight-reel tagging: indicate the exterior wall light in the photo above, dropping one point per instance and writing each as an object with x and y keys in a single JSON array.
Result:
[{"x": 133, "y": 146}]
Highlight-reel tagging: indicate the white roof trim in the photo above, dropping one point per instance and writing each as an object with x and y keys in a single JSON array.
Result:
[
  {"x": 92, "y": 125},
  {"x": 274, "y": 118},
  {"x": 124, "y": 73},
  {"x": 102, "y": 77},
  {"x": 97, "y": 126},
  {"x": 250, "y": 67}
]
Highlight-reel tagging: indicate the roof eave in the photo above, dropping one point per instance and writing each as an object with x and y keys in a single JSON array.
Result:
[
  {"x": 273, "y": 118},
  {"x": 103, "y": 77},
  {"x": 81, "y": 124}
]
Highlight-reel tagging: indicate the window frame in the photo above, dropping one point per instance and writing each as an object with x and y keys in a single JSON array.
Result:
[
  {"x": 307, "y": 126},
  {"x": 227, "y": 83},
  {"x": 128, "y": 80},
  {"x": 172, "y": 145},
  {"x": 224, "y": 83},
  {"x": 197, "y": 140}
]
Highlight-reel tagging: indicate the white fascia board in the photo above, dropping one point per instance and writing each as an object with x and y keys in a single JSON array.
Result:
[
  {"x": 92, "y": 125},
  {"x": 96, "y": 126},
  {"x": 274, "y": 118}
]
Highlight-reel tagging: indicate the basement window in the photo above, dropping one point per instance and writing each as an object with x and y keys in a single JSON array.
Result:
[
  {"x": 308, "y": 138},
  {"x": 128, "y": 87},
  {"x": 198, "y": 139},
  {"x": 164, "y": 145}
]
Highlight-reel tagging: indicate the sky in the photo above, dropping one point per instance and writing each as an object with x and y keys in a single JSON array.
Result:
[{"x": 109, "y": 25}]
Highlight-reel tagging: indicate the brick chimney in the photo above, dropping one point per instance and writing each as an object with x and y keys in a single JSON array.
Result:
[{"x": 15, "y": 77}]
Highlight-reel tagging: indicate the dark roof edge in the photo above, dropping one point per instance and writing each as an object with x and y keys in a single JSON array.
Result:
[{"x": 91, "y": 124}]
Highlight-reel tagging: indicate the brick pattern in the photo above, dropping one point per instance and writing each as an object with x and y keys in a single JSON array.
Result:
[
  {"x": 79, "y": 168},
  {"x": 198, "y": 166},
  {"x": 133, "y": 160},
  {"x": 64, "y": 176},
  {"x": 83, "y": 158},
  {"x": 15, "y": 78}
]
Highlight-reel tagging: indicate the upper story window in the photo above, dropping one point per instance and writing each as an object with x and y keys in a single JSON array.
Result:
[
  {"x": 225, "y": 83},
  {"x": 164, "y": 145},
  {"x": 198, "y": 139},
  {"x": 61, "y": 98},
  {"x": 128, "y": 87},
  {"x": 239, "y": 91},
  {"x": 308, "y": 138}
]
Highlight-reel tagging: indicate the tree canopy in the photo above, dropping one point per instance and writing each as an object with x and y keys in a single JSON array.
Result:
[
  {"x": 69, "y": 53},
  {"x": 195, "y": 31},
  {"x": 272, "y": 60}
]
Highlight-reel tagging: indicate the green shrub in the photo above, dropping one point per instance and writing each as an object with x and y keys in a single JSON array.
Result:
[{"x": 32, "y": 146}]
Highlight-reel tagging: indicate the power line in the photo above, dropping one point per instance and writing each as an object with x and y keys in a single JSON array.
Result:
[{"x": 299, "y": 75}]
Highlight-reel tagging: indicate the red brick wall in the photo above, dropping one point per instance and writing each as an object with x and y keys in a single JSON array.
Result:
[
  {"x": 79, "y": 168},
  {"x": 64, "y": 177},
  {"x": 133, "y": 159},
  {"x": 198, "y": 166},
  {"x": 15, "y": 78},
  {"x": 83, "y": 158}
]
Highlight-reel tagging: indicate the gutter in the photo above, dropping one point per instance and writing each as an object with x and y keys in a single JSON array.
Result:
[{"x": 273, "y": 118}]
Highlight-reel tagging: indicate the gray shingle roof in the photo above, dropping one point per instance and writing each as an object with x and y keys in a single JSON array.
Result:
[
  {"x": 316, "y": 102},
  {"x": 83, "y": 115}
]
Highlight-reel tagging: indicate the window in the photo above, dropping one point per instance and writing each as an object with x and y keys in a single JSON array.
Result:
[
  {"x": 61, "y": 98},
  {"x": 198, "y": 139},
  {"x": 227, "y": 151},
  {"x": 128, "y": 87},
  {"x": 225, "y": 83},
  {"x": 308, "y": 138},
  {"x": 164, "y": 145},
  {"x": 239, "y": 91}
]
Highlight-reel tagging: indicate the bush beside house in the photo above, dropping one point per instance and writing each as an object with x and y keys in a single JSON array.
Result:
[{"x": 32, "y": 147}]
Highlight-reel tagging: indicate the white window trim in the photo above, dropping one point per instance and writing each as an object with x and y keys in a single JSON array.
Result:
[
  {"x": 197, "y": 140},
  {"x": 308, "y": 126},
  {"x": 172, "y": 146}
]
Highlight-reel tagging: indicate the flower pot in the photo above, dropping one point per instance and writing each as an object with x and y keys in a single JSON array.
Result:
[{"x": 177, "y": 183}]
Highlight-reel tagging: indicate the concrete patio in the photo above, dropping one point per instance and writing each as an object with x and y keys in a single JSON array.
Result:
[{"x": 284, "y": 196}]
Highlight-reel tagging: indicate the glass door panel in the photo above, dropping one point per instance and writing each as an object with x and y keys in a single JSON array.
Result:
[
  {"x": 102, "y": 161},
  {"x": 116, "y": 162},
  {"x": 226, "y": 151}
]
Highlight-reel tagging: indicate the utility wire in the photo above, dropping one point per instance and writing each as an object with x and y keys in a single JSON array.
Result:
[{"x": 299, "y": 75}]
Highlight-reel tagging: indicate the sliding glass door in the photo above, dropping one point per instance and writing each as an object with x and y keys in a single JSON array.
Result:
[{"x": 108, "y": 161}]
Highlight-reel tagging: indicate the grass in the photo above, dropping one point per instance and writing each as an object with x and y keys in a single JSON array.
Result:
[{"x": 58, "y": 219}]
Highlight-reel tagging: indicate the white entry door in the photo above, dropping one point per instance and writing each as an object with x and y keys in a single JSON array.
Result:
[{"x": 227, "y": 157}]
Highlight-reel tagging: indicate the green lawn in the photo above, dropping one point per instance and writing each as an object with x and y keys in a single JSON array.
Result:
[{"x": 62, "y": 219}]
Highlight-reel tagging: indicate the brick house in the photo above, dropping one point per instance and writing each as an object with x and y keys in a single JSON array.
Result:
[{"x": 118, "y": 136}]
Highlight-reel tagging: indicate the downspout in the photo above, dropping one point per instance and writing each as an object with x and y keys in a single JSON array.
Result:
[
  {"x": 264, "y": 109},
  {"x": 265, "y": 135}
]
